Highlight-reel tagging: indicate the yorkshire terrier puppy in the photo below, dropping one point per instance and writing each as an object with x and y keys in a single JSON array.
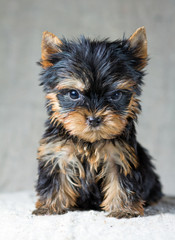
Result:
[{"x": 89, "y": 157}]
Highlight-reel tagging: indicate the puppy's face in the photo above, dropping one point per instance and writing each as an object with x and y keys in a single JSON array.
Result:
[{"x": 92, "y": 86}]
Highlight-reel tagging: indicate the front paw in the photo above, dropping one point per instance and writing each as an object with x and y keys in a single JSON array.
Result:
[
  {"x": 40, "y": 211},
  {"x": 123, "y": 214},
  {"x": 45, "y": 211}
]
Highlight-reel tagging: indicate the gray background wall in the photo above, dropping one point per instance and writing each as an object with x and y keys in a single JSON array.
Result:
[{"x": 22, "y": 112}]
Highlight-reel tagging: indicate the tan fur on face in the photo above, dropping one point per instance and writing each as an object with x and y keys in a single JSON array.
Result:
[
  {"x": 125, "y": 84},
  {"x": 71, "y": 84},
  {"x": 54, "y": 103},
  {"x": 133, "y": 108},
  {"x": 76, "y": 123}
]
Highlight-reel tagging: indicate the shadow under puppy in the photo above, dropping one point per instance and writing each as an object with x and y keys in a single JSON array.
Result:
[{"x": 89, "y": 157}]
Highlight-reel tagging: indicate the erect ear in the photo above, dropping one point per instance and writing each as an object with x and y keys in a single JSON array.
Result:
[
  {"x": 138, "y": 43},
  {"x": 50, "y": 45}
]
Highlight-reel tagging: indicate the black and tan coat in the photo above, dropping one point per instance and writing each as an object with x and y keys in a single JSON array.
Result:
[{"x": 89, "y": 157}]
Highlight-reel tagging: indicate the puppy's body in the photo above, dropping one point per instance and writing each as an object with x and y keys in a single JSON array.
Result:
[{"x": 89, "y": 157}]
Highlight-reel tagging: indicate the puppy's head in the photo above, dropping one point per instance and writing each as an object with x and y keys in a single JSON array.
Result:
[{"x": 92, "y": 86}]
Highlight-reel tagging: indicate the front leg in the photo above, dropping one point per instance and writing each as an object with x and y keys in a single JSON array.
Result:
[
  {"x": 118, "y": 201},
  {"x": 58, "y": 184},
  {"x": 56, "y": 193},
  {"x": 121, "y": 198}
]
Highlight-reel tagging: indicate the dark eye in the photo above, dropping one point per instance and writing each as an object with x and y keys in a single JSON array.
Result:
[
  {"x": 116, "y": 96},
  {"x": 74, "y": 94}
]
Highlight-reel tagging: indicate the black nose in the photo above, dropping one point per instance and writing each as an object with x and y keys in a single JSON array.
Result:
[{"x": 94, "y": 121}]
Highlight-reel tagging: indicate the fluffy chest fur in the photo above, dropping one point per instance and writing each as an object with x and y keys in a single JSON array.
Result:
[{"x": 86, "y": 170}]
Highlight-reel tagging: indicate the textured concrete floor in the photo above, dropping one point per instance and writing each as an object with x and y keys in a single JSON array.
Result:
[{"x": 22, "y": 112}]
